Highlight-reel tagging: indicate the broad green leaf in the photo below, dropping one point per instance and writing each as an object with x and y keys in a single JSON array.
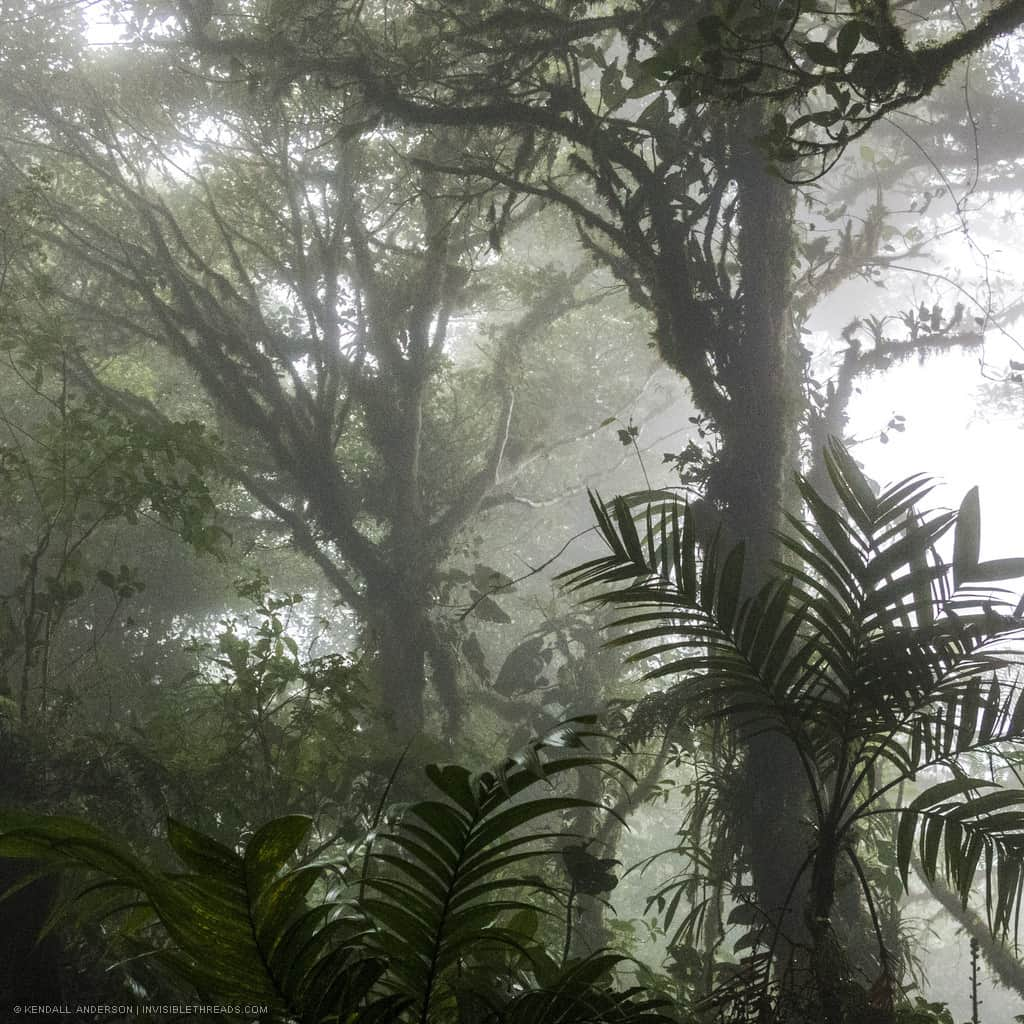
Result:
[
  {"x": 280, "y": 902},
  {"x": 967, "y": 538},
  {"x": 444, "y": 821},
  {"x": 847, "y": 40},
  {"x": 944, "y": 791},
  {"x": 203, "y": 854}
]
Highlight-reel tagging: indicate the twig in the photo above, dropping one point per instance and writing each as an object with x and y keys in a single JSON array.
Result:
[{"x": 526, "y": 575}]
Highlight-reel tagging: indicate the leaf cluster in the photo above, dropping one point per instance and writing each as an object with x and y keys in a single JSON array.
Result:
[
  {"x": 830, "y": 73},
  {"x": 882, "y": 664},
  {"x": 432, "y": 918}
]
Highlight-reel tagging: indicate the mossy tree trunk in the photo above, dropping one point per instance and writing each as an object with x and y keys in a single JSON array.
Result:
[{"x": 754, "y": 483}]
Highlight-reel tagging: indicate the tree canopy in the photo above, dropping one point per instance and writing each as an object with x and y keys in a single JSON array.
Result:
[{"x": 321, "y": 318}]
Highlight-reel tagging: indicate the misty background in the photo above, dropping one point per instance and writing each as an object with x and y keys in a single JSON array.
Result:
[{"x": 320, "y": 320}]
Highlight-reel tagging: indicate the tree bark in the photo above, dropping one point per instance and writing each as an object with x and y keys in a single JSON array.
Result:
[{"x": 754, "y": 485}]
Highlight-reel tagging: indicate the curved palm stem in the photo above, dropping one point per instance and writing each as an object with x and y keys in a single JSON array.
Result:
[{"x": 865, "y": 887}]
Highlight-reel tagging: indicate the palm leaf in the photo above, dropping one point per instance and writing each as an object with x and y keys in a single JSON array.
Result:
[
  {"x": 740, "y": 658},
  {"x": 953, "y": 835},
  {"x": 445, "y": 886},
  {"x": 865, "y": 631},
  {"x": 867, "y": 649},
  {"x": 239, "y": 924},
  {"x": 459, "y": 864}
]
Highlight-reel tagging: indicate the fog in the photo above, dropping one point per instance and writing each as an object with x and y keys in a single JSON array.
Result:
[{"x": 511, "y": 512}]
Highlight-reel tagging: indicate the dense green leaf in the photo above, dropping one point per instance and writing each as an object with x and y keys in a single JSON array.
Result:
[
  {"x": 967, "y": 538},
  {"x": 203, "y": 854}
]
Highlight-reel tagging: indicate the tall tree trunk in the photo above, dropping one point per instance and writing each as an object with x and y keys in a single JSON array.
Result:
[
  {"x": 411, "y": 651},
  {"x": 399, "y": 626},
  {"x": 754, "y": 480},
  {"x": 755, "y": 485}
]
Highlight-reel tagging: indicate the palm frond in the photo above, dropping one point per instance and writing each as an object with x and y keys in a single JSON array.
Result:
[
  {"x": 442, "y": 888},
  {"x": 454, "y": 869},
  {"x": 865, "y": 626},
  {"x": 955, "y": 835},
  {"x": 876, "y": 656},
  {"x": 239, "y": 923},
  {"x": 735, "y": 654}
]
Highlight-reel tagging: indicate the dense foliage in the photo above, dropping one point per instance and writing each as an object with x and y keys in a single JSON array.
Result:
[
  {"x": 878, "y": 661},
  {"x": 318, "y": 322},
  {"x": 433, "y": 918}
]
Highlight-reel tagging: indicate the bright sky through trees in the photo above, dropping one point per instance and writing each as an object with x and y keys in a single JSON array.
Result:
[{"x": 383, "y": 290}]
